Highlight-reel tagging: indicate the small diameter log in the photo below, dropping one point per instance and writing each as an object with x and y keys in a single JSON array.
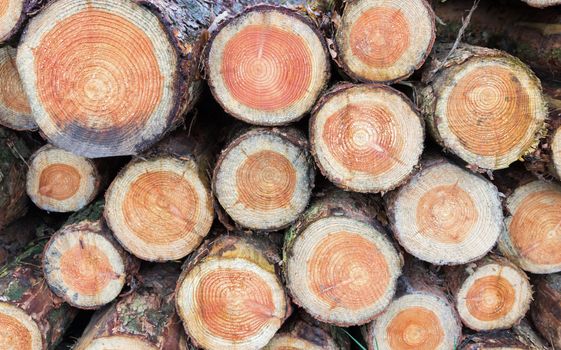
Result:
[
  {"x": 60, "y": 181},
  {"x": 446, "y": 215},
  {"x": 546, "y": 309},
  {"x": 384, "y": 41},
  {"x": 13, "y": 200},
  {"x": 84, "y": 264},
  {"x": 32, "y": 317},
  {"x": 144, "y": 319},
  {"x": 483, "y": 105},
  {"x": 111, "y": 77},
  {"x": 366, "y": 138},
  {"x": 542, "y": 3},
  {"x": 532, "y": 238},
  {"x": 268, "y": 65},
  {"x": 264, "y": 178},
  {"x": 421, "y": 317},
  {"x": 229, "y": 295},
  {"x": 490, "y": 294},
  {"x": 15, "y": 112},
  {"x": 339, "y": 264},
  {"x": 160, "y": 206}
]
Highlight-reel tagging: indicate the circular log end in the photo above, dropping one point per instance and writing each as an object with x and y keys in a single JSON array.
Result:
[
  {"x": 490, "y": 111},
  {"x": 267, "y": 66},
  {"x": 416, "y": 321},
  {"x": 15, "y": 112},
  {"x": 342, "y": 271},
  {"x": 263, "y": 179},
  {"x": 556, "y": 152},
  {"x": 494, "y": 297},
  {"x": 227, "y": 302},
  {"x": 366, "y": 138},
  {"x": 533, "y": 239},
  {"x": 447, "y": 215},
  {"x": 11, "y": 12},
  {"x": 19, "y": 330},
  {"x": 384, "y": 41},
  {"x": 83, "y": 267},
  {"x": 60, "y": 181},
  {"x": 159, "y": 209},
  {"x": 118, "y": 342},
  {"x": 100, "y": 75}
]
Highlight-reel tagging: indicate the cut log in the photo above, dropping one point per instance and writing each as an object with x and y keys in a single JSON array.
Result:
[
  {"x": 446, "y": 215},
  {"x": 15, "y": 112},
  {"x": 13, "y": 201},
  {"x": 301, "y": 331},
  {"x": 546, "y": 309},
  {"x": 490, "y": 294},
  {"x": 13, "y": 14},
  {"x": 421, "y": 317},
  {"x": 339, "y": 264},
  {"x": 264, "y": 178},
  {"x": 60, "y": 181},
  {"x": 532, "y": 239},
  {"x": 366, "y": 138},
  {"x": 160, "y": 206},
  {"x": 384, "y": 41},
  {"x": 145, "y": 319},
  {"x": 83, "y": 264},
  {"x": 229, "y": 295},
  {"x": 32, "y": 317},
  {"x": 500, "y": 340},
  {"x": 268, "y": 65},
  {"x": 542, "y": 3},
  {"x": 16, "y": 236},
  {"x": 483, "y": 105},
  {"x": 108, "y": 78}
]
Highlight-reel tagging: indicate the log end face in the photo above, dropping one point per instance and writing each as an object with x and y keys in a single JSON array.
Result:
[
  {"x": 118, "y": 342},
  {"x": 19, "y": 330},
  {"x": 556, "y": 152},
  {"x": 11, "y": 13}
]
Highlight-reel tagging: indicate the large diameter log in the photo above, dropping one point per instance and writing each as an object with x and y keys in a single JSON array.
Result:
[
  {"x": 532, "y": 238},
  {"x": 383, "y": 41},
  {"x": 483, "y": 105},
  {"x": 268, "y": 65},
  {"x": 108, "y": 78},
  {"x": 160, "y": 206},
  {"x": 490, "y": 294},
  {"x": 13, "y": 200},
  {"x": 32, "y": 317},
  {"x": 15, "y": 112},
  {"x": 339, "y": 264},
  {"x": 230, "y": 296},
  {"x": 60, "y": 181},
  {"x": 445, "y": 215},
  {"x": 144, "y": 319},
  {"x": 264, "y": 178},
  {"x": 546, "y": 309},
  {"x": 421, "y": 317},
  {"x": 83, "y": 264},
  {"x": 366, "y": 138}
]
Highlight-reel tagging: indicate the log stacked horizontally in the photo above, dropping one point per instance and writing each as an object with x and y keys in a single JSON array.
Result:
[{"x": 273, "y": 174}]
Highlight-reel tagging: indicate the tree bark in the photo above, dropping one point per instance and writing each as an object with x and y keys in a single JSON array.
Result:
[
  {"x": 16, "y": 236},
  {"x": 520, "y": 337},
  {"x": 546, "y": 309}
]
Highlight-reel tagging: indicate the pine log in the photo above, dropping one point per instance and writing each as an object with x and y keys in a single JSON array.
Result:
[
  {"x": 145, "y": 319},
  {"x": 366, "y": 138},
  {"x": 111, "y": 77},
  {"x": 16, "y": 236},
  {"x": 532, "y": 239},
  {"x": 83, "y": 264},
  {"x": 530, "y": 34},
  {"x": 264, "y": 177},
  {"x": 421, "y": 317},
  {"x": 542, "y": 3},
  {"x": 230, "y": 296},
  {"x": 160, "y": 205},
  {"x": 15, "y": 112},
  {"x": 483, "y": 105},
  {"x": 339, "y": 263},
  {"x": 546, "y": 309},
  {"x": 445, "y": 215},
  {"x": 13, "y": 201},
  {"x": 268, "y": 65},
  {"x": 32, "y": 317},
  {"x": 490, "y": 294},
  {"x": 383, "y": 41}
]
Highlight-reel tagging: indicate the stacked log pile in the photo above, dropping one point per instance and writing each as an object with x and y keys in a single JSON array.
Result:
[{"x": 272, "y": 174}]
